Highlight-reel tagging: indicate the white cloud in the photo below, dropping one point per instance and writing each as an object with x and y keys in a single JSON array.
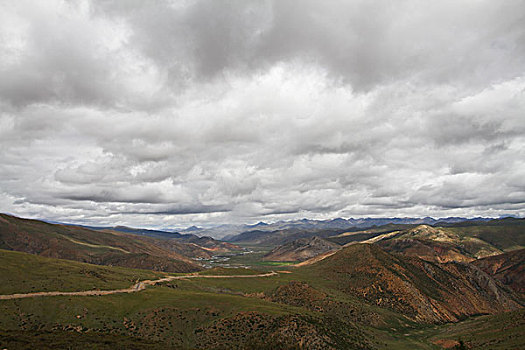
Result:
[{"x": 153, "y": 114}]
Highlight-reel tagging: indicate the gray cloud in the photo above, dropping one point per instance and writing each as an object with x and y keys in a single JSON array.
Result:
[{"x": 174, "y": 113}]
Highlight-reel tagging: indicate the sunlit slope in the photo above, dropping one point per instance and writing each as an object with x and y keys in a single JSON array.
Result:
[{"x": 461, "y": 243}]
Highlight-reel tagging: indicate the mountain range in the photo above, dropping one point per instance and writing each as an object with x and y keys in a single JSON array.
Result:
[
  {"x": 227, "y": 232},
  {"x": 396, "y": 286}
]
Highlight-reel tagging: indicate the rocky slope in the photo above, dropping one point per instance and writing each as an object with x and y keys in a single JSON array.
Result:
[
  {"x": 421, "y": 290},
  {"x": 301, "y": 249},
  {"x": 508, "y": 268}
]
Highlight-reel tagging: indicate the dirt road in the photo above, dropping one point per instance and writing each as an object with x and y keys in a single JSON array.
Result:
[{"x": 134, "y": 288}]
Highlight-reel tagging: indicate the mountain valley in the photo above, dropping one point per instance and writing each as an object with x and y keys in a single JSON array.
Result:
[{"x": 391, "y": 287}]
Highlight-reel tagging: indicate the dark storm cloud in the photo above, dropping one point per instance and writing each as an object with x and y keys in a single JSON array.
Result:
[{"x": 177, "y": 112}]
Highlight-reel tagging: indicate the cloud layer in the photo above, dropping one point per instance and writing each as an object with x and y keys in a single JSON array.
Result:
[{"x": 168, "y": 113}]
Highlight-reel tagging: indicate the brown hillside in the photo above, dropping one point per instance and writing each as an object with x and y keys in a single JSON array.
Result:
[
  {"x": 84, "y": 245},
  {"x": 422, "y": 290},
  {"x": 301, "y": 250},
  {"x": 473, "y": 241},
  {"x": 508, "y": 268},
  {"x": 436, "y": 251},
  {"x": 189, "y": 250}
]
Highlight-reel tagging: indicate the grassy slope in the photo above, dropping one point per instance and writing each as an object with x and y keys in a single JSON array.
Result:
[
  {"x": 162, "y": 313},
  {"x": 170, "y": 313},
  {"x": 26, "y": 273},
  {"x": 52, "y": 340}
]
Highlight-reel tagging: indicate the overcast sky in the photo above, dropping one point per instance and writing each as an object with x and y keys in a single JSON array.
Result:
[{"x": 174, "y": 113}]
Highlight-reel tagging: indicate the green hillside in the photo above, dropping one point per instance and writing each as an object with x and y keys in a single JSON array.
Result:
[
  {"x": 498, "y": 332},
  {"x": 26, "y": 273},
  {"x": 181, "y": 313}
]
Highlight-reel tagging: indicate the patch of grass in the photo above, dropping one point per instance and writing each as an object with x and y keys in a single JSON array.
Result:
[{"x": 237, "y": 285}]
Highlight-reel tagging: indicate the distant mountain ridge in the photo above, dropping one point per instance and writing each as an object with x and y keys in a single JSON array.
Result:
[
  {"x": 227, "y": 232},
  {"x": 331, "y": 224}
]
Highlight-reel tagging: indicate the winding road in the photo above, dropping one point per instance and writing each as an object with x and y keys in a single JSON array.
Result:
[{"x": 137, "y": 287}]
